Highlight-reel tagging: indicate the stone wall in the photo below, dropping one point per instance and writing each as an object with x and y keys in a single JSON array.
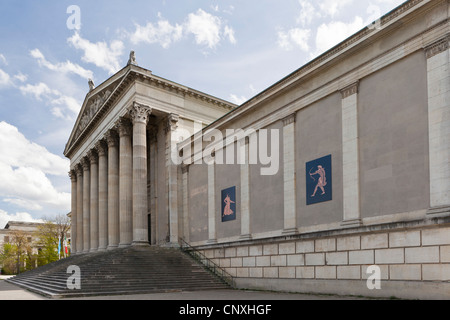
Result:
[{"x": 419, "y": 256}]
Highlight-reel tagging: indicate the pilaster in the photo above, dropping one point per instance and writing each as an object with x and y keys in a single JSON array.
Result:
[
  {"x": 438, "y": 76},
  {"x": 350, "y": 155},
  {"x": 185, "y": 178},
  {"x": 212, "y": 234},
  {"x": 245, "y": 195},
  {"x": 289, "y": 191}
]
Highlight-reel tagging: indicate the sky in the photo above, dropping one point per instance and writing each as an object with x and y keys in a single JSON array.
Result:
[{"x": 49, "y": 49}]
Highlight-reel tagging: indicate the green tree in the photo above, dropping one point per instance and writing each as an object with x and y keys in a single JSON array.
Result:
[
  {"x": 7, "y": 258},
  {"x": 47, "y": 235}
]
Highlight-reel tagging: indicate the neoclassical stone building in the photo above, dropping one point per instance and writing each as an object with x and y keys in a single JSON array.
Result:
[{"x": 341, "y": 165}]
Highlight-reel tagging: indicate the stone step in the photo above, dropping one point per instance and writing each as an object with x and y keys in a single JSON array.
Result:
[{"x": 122, "y": 271}]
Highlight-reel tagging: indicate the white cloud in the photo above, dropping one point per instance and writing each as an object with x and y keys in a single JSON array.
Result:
[
  {"x": 20, "y": 152},
  {"x": 21, "y": 77},
  {"x": 38, "y": 90},
  {"x": 60, "y": 102},
  {"x": 3, "y": 59},
  {"x": 307, "y": 13},
  {"x": 26, "y": 204},
  {"x": 229, "y": 32},
  {"x": 333, "y": 7},
  {"x": 62, "y": 67},
  {"x": 31, "y": 186},
  {"x": 24, "y": 169},
  {"x": 208, "y": 30},
  {"x": 237, "y": 100},
  {"x": 19, "y": 216},
  {"x": 329, "y": 35},
  {"x": 100, "y": 54},
  {"x": 163, "y": 33},
  {"x": 205, "y": 27},
  {"x": 5, "y": 79},
  {"x": 295, "y": 37}
]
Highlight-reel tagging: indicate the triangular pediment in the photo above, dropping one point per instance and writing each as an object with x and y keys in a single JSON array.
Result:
[
  {"x": 94, "y": 102},
  {"x": 99, "y": 101}
]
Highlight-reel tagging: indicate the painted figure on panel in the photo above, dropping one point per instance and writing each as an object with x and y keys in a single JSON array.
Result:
[
  {"x": 318, "y": 174},
  {"x": 229, "y": 204},
  {"x": 322, "y": 182},
  {"x": 227, "y": 210}
]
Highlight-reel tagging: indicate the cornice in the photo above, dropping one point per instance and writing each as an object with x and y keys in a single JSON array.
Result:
[
  {"x": 332, "y": 56},
  {"x": 437, "y": 47},
  {"x": 99, "y": 101}
]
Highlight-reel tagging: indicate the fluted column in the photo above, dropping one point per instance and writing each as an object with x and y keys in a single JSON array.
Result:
[
  {"x": 79, "y": 229},
  {"x": 171, "y": 174},
  {"x": 125, "y": 182},
  {"x": 102, "y": 150},
  {"x": 140, "y": 116},
  {"x": 86, "y": 204},
  {"x": 113, "y": 189},
  {"x": 73, "y": 213},
  {"x": 93, "y": 158}
]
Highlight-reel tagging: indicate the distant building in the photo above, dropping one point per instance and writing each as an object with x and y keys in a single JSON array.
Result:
[{"x": 29, "y": 228}]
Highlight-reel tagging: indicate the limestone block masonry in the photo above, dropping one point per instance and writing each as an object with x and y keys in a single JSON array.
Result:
[{"x": 417, "y": 258}]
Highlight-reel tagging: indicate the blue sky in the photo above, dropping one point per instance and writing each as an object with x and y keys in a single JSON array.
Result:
[{"x": 230, "y": 49}]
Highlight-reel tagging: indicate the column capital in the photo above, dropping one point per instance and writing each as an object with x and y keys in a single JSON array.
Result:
[
  {"x": 112, "y": 138},
  {"x": 350, "y": 90},
  {"x": 139, "y": 113},
  {"x": 101, "y": 147},
  {"x": 93, "y": 156},
  {"x": 79, "y": 170},
  {"x": 86, "y": 163},
  {"x": 172, "y": 122},
  {"x": 289, "y": 119},
  {"x": 124, "y": 127},
  {"x": 73, "y": 175},
  {"x": 437, "y": 47}
]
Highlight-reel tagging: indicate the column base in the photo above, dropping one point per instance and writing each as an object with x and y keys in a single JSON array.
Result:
[
  {"x": 112, "y": 248},
  {"x": 140, "y": 244},
  {"x": 352, "y": 223},
  {"x": 211, "y": 241},
  {"x": 441, "y": 211},
  {"x": 290, "y": 231},
  {"x": 245, "y": 237}
]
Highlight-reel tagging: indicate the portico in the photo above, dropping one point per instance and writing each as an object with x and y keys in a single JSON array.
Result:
[{"x": 120, "y": 136}]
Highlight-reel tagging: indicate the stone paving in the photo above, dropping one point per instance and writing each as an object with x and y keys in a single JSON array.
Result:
[{"x": 11, "y": 292}]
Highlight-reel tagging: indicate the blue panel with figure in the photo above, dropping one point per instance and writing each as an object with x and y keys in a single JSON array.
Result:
[
  {"x": 229, "y": 204},
  {"x": 318, "y": 181}
]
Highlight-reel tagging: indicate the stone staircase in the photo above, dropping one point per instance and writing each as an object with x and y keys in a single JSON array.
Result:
[{"x": 133, "y": 270}]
